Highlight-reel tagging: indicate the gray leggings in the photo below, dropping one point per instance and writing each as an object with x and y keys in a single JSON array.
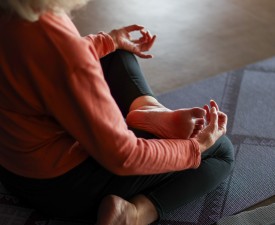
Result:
[{"x": 77, "y": 194}]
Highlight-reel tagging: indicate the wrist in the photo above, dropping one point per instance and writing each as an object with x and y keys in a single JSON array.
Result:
[
  {"x": 205, "y": 142},
  {"x": 112, "y": 34},
  {"x": 202, "y": 147}
]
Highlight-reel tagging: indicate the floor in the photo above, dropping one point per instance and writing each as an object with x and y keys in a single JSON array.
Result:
[{"x": 195, "y": 39}]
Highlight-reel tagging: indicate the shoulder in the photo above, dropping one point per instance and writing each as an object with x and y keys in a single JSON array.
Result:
[{"x": 64, "y": 36}]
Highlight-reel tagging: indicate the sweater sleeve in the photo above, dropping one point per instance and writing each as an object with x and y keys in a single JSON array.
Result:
[
  {"x": 95, "y": 121},
  {"x": 85, "y": 108},
  {"x": 103, "y": 43}
]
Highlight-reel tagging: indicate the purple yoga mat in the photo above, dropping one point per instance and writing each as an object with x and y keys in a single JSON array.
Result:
[{"x": 247, "y": 96}]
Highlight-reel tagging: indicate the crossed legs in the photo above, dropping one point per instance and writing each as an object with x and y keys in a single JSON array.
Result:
[
  {"x": 134, "y": 200},
  {"x": 138, "y": 104},
  {"x": 144, "y": 112}
]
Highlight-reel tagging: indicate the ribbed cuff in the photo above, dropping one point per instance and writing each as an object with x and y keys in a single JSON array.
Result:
[
  {"x": 109, "y": 40},
  {"x": 196, "y": 152}
]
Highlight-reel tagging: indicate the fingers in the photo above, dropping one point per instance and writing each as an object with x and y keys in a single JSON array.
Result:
[
  {"x": 146, "y": 36},
  {"x": 122, "y": 40},
  {"x": 206, "y": 107},
  {"x": 147, "y": 46},
  {"x": 214, "y": 104},
  {"x": 141, "y": 40},
  {"x": 143, "y": 55},
  {"x": 198, "y": 126},
  {"x": 140, "y": 48},
  {"x": 133, "y": 27},
  {"x": 222, "y": 117},
  {"x": 144, "y": 43},
  {"x": 217, "y": 118},
  {"x": 213, "y": 117},
  {"x": 217, "y": 122},
  {"x": 222, "y": 121}
]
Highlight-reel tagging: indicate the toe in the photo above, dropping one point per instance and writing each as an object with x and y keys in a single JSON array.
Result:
[
  {"x": 198, "y": 112},
  {"x": 199, "y": 121}
]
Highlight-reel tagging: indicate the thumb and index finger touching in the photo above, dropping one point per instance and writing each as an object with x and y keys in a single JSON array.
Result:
[{"x": 146, "y": 40}]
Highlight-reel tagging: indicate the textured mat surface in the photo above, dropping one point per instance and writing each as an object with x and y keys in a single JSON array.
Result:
[
  {"x": 248, "y": 97},
  {"x": 263, "y": 215}
]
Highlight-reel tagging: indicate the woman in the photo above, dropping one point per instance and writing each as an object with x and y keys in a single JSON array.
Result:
[{"x": 65, "y": 146}]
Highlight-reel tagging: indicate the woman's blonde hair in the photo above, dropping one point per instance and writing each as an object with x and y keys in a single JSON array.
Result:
[{"x": 32, "y": 9}]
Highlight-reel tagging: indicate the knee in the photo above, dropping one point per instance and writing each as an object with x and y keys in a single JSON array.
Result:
[
  {"x": 122, "y": 53},
  {"x": 222, "y": 150},
  {"x": 226, "y": 151}
]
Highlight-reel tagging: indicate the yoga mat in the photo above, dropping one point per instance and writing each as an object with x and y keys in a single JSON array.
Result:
[
  {"x": 247, "y": 96},
  {"x": 263, "y": 215}
]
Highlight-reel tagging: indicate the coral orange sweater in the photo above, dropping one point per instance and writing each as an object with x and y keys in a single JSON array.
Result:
[{"x": 56, "y": 109}]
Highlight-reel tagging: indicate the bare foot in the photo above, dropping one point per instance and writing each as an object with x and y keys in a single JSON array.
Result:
[
  {"x": 166, "y": 123},
  {"x": 114, "y": 210}
]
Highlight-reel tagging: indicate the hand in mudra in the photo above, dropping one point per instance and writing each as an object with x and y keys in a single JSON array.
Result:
[
  {"x": 215, "y": 128},
  {"x": 123, "y": 40}
]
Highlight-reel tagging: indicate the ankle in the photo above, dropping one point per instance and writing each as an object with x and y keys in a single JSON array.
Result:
[
  {"x": 146, "y": 210},
  {"x": 145, "y": 101},
  {"x": 115, "y": 210}
]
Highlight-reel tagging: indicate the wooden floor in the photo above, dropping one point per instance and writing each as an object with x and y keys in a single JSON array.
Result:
[{"x": 195, "y": 39}]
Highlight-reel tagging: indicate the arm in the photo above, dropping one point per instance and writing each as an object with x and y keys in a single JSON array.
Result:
[
  {"x": 77, "y": 96},
  {"x": 121, "y": 39},
  {"x": 73, "y": 92},
  {"x": 102, "y": 42},
  {"x": 86, "y": 109}
]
